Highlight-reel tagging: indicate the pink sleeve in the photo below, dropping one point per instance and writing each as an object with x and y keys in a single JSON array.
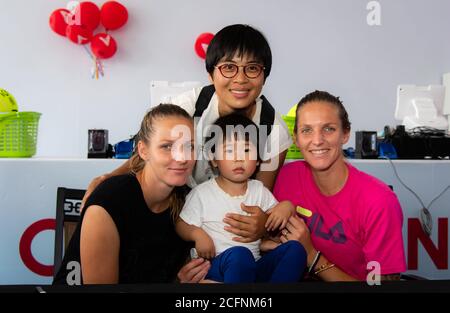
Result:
[{"x": 382, "y": 239}]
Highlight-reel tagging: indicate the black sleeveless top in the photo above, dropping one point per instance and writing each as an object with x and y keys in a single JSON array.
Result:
[{"x": 150, "y": 249}]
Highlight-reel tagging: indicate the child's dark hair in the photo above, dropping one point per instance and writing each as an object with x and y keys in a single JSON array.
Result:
[
  {"x": 324, "y": 96},
  {"x": 240, "y": 39},
  {"x": 242, "y": 127}
]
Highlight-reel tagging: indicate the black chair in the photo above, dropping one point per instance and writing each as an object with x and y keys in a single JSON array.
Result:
[{"x": 68, "y": 208}]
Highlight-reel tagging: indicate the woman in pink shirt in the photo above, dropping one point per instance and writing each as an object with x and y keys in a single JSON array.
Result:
[{"x": 349, "y": 222}]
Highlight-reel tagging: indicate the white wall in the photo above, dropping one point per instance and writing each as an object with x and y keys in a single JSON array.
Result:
[{"x": 320, "y": 44}]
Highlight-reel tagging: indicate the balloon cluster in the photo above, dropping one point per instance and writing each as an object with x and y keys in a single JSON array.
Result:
[{"x": 79, "y": 21}]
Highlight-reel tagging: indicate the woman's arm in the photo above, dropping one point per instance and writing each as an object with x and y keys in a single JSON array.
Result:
[{"x": 99, "y": 247}]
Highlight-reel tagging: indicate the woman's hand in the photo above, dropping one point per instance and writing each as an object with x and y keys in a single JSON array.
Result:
[
  {"x": 249, "y": 227},
  {"x": 194, "y": 271},
  {"x": 296, "y": 229}
]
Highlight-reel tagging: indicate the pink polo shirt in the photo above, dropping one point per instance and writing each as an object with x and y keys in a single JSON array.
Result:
[{"x": 359, "y": 224}]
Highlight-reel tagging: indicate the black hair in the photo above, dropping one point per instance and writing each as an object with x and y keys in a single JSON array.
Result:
[
  {"x": 324, "y": 96},
  {"x": 240, "y": 39},
  {"x": 241, "y": 126}
]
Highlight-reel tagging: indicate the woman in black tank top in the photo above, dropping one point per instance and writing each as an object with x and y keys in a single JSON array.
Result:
[{"x": 126, "y": 233}]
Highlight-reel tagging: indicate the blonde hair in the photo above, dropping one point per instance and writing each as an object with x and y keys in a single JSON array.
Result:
[{"x": 178, "y": 194}]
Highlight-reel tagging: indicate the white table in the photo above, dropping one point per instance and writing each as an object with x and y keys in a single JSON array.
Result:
[{"x": 28, "y": 195}]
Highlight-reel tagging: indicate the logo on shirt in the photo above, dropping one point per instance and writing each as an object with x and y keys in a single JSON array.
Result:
[{"x": 316, "y": 227}]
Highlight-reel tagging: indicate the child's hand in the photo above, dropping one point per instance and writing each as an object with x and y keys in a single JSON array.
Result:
[
  {"x": 279, "y": 215},
  {"x": 205, "y": 247},
  {"x": 267, "y": 245}
]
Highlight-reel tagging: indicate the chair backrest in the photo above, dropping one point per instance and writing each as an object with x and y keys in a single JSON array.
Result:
[{"x": 68, "y": 209}]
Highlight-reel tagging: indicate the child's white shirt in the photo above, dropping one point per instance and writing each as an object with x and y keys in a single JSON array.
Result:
[{"x": 207, "y": 204}]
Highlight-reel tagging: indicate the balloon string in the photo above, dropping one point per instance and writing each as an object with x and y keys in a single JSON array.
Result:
[
  {"x": 96, "y": 69},
  {"x": 98, "y": 66},
  {"x": 88, "y": 52}
]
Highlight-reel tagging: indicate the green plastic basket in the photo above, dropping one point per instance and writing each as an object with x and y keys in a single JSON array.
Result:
[
  {"x": 293, "y": 151},
  {"x": 18, "y": 134}
]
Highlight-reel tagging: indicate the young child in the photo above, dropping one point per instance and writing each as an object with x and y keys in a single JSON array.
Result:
[{"x": 235, "y": 155}]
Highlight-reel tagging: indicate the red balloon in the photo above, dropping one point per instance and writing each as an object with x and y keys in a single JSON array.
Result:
[
  {"x": 58, "y": 21},
  {"x": 201, "y": 44},
  {"x": 79, "y": 34},
  {"x": 103, "y": 46},
  {"x": 87, "y": 15},
  {"x": 113, "y": 15}
]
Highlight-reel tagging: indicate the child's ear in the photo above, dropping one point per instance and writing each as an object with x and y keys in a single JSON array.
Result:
[
  {"x": 210, "y": 78},
  {"x": 214, "y": 163}
]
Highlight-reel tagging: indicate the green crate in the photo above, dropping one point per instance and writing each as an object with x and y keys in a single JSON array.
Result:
[
  {"x": 18, "y": 134},
  {"x": 293, "y": 151}
]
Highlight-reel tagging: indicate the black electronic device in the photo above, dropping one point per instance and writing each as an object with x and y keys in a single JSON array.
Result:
[
  {"x": 421, "y": 144},
  {"x": 366, "y": 145},
  {"x": 97, "y": 143}
]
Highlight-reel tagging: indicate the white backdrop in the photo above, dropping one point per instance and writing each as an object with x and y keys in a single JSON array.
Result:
[{"x": 317, "y": 44}]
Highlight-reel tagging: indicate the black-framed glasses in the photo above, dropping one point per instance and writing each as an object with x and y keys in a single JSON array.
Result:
[{"x": 230, "y": 70}]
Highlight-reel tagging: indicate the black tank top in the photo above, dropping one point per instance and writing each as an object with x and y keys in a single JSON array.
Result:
[{"x": 150, "y": 249}]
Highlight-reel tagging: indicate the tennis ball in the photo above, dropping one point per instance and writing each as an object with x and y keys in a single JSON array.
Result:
[{"x": 7, "y": 102}]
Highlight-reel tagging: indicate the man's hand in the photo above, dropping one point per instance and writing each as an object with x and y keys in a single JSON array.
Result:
[
  {"x": 249, "y": 228},
  {"x": 194, "y": 271},
  {"x": 93, "y": 184}
]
